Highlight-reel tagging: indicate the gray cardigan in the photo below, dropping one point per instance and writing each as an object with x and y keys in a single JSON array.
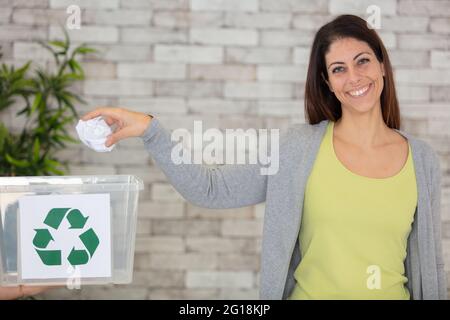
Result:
[{"x": 238, "y": 185}]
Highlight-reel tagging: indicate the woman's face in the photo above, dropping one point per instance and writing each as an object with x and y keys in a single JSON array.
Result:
[{"x": 354, "y": 74}]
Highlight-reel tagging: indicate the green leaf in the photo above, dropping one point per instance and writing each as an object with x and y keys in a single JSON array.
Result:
[
  {"x": 66, "y": 36},
  {"x": 52, "y": 166},
  {"x": 36, "y": 150},
  {"x": 16, "y": 162},
  {"x": 5, "y": 103},
  {"x": 22, "y": 70},
  {"x": 3, "y": 136},
  {"x": 69, "y": 77},
  {"x": 84, "y": 50},
  {"x": 58, "y": 43},
  {"x": 46, "y": 46},
  {"x": 51, "y": 162},
  {"x": 75, "y": 67},
  {"x": 56, "y": 142},
  {"x": 36, "y": 102}
]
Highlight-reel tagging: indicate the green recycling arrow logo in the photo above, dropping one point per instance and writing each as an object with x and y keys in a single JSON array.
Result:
[{"x": 43, "y": 237}]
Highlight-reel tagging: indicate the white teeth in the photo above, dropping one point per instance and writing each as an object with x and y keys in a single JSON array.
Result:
[{"x": 359, "y": 92}]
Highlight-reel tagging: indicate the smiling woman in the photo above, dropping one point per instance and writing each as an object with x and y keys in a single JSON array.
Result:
[
  {"x": 347, "y": 58},
  {"x": 354, "y": 210},
  {"x": 350, "y": 82},
  {"x": 361, "y": 198}
]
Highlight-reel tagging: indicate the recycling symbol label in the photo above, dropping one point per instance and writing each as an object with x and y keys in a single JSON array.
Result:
[
  {"x": 62, "y": 234},
  {"x": 77, "y": 221}
]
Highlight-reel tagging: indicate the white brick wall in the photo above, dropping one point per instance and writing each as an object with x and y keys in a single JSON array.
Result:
[
  {"x": 159, "y": 244},
  {"x": 427, "y": 76},
  {"x": 224, "y": 5},
  {"x": 242, "y": 228},
  {"x": 286, "y": 38},
  {"x": 151, "y": 71},
  {"x": 219, "y": 279},
  {"x": 258, "y": 20},
  {"x": 230, "y": 63},
  {"x": 123, "y": 52},
  {"x": 423, "y": 8},
  {"x": 103, "y": 4},
  {"x": 101, "y": 34},
  {"x": 258, "y": 55},
  {"x": 30, "y": 50},
  {"x": 157, "y": 105},
  {"x": 219, "y": 244},
  {"x": 190, "y": 54},
  {"x": 423, "y": 41},
  {"x": 118, "y": 87},
  {"x": 100, "y": 70},
  {"x": 5, "y": 15},
  {"x": 409, "y": 58},
  {"x": 282, "y": 73},
  {"x": 225, "y": 37},
  {"x": 440, "y": 25},
  {"x": 30, "y": 3},
  {"x": 185, "y": 19},
  {"x": 218, "y": 72},
  {"x": 120, "y": 17},
  {"x": 387, "y": 7},
  {"x": 440, "y": 59},
  {"x": 38, "y": 16},
  {"x": 151, "y": 35},
  {"x": 18, "y": 32},
  {"x": 252, "y": 90},
  {"x": 319, "y": 6}
]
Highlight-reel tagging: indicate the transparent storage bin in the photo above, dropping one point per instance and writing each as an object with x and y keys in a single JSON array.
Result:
[{"x": 119, "y": 223}]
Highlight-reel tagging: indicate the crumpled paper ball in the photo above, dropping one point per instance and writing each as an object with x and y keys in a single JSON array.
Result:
[{"x": 94, "y": 133}]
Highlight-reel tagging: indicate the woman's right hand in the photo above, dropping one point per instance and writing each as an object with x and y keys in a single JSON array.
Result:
[{"x": 128, "y": 123}]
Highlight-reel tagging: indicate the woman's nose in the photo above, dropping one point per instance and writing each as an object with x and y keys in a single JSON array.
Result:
[{"x": 354, "y": 76}]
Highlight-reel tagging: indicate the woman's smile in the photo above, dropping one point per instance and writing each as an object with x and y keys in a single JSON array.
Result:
[{"x": 360, "y": 92}]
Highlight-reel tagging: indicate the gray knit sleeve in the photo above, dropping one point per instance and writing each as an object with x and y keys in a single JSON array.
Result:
[{"x": 222, "y": 186}]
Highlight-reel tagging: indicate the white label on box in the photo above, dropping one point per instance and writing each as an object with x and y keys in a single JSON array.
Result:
[{"x": 63, "y": 234}]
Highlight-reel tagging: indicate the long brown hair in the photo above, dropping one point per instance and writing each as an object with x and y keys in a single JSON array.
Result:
[{"x": 320, "y": 102}]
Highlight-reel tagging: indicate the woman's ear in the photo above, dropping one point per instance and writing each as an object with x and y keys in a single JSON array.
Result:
[
  {"x": 382, "y": 69},
  {"x": 326, "y": 81}
]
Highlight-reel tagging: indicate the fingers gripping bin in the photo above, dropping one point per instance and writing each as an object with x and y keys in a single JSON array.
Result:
[{"x": 59, "y": 230}]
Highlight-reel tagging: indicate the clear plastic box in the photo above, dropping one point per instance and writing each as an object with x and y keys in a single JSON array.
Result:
[{"x": 121, "y": 191}]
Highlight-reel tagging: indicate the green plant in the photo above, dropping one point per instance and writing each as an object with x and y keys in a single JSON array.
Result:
[{"x": 48, "y": 104}]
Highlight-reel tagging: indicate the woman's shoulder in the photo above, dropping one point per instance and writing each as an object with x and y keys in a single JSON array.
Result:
[
  {"x": 422, "y": 149},
  {"x": 305, "y": 128},
  {"x": 298, "y": 138}
]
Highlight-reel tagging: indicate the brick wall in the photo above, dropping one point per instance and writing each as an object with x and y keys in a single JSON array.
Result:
[{"x": 232, "y": 64}]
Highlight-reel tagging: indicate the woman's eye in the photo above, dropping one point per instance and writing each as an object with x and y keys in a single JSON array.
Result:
[
  {"x": 363, "y": 60},
  {"x": 338, "y": 69}
]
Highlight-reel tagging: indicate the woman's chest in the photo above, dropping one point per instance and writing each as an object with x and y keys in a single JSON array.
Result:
[{"x": 377, "y": 163}]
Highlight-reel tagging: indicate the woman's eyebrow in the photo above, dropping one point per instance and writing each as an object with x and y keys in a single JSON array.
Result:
[{"x": 339, "y": 62}]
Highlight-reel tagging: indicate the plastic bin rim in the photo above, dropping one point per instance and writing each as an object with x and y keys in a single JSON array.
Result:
[{"x": 19, "y": 183}]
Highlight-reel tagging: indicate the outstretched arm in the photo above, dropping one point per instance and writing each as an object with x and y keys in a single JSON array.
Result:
[{"x": 226, "y": 186}]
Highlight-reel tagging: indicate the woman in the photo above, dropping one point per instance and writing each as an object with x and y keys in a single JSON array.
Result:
[{"x": 353, "y": 212}]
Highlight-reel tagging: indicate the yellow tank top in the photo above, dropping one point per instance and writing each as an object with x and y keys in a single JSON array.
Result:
[{"x": 354, "y": 231}]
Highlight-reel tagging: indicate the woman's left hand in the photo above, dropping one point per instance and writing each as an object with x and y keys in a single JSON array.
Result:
[{"x": 10, "y": 293}]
